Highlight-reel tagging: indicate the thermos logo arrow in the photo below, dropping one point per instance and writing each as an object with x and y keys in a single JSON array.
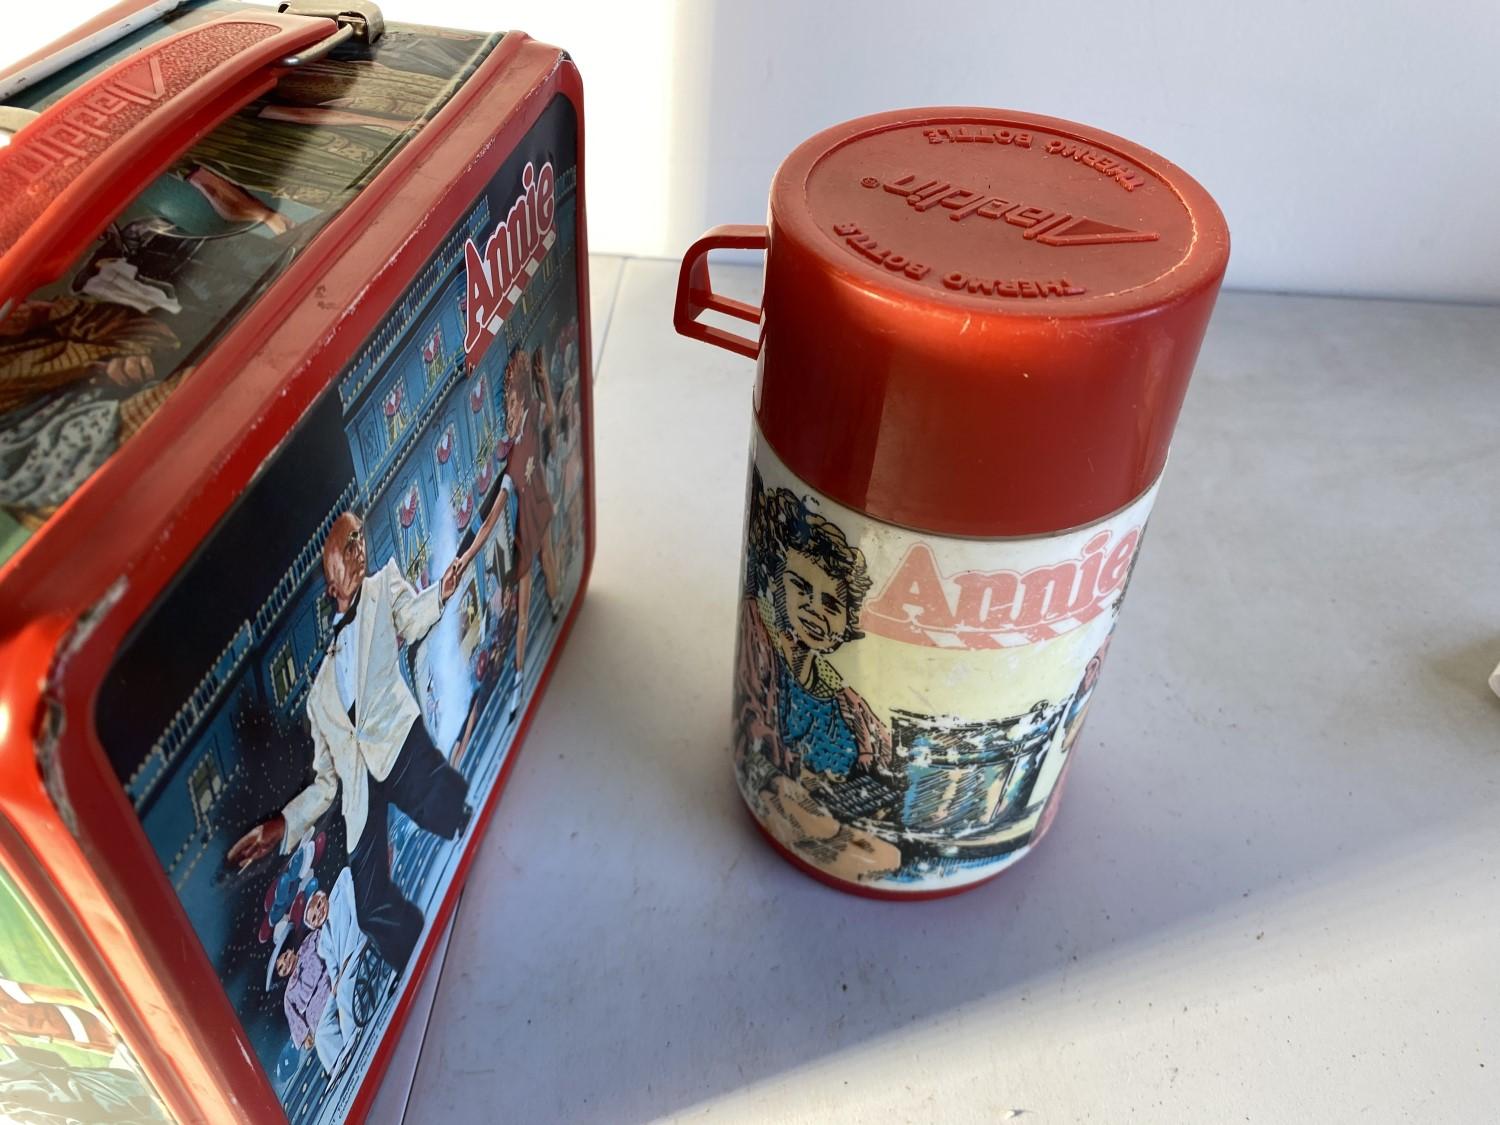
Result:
[{"x": 1039, "y": 224}]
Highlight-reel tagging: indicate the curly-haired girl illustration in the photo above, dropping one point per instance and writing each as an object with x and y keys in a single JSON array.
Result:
[{"x": 802, "y": 731}]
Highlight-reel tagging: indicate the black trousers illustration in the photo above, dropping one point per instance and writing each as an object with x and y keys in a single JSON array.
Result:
[{"x": 426, "y": 788}]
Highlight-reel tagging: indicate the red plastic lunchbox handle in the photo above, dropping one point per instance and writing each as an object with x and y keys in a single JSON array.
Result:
[
  {"x": 80, "y": 162},
  {"x": 695, "y": 293}
]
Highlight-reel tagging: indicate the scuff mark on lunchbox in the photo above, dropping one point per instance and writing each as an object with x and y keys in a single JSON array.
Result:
[{"x": 49, "y": 736}]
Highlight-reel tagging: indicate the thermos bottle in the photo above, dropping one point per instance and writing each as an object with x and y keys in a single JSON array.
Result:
[{"x": 977, "y": 330}]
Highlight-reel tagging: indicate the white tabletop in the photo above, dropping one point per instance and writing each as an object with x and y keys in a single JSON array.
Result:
[{"x": 1270, "y": 895}]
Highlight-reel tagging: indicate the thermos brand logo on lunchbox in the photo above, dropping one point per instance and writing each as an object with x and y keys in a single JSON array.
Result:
[
  {"x": 1000, "y": 608},
  {"x": 512, "y": 255},
  {"x": 81, "y": 131},
  {"x": 1039, "y": 224}
]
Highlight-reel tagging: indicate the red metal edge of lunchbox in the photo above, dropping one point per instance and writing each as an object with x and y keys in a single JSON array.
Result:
[{"x": 70, "y": 595}]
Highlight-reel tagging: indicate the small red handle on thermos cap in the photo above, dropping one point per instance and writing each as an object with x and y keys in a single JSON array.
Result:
[{"x": 695, "y": 293}]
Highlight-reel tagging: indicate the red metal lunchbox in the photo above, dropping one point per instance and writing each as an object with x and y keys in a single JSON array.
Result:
[
  {"x": 295, "y": 514},
  {"x": 977, "y": 331}
]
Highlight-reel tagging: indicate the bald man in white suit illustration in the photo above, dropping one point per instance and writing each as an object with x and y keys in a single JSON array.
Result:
[{"x": 369, "y": 742}]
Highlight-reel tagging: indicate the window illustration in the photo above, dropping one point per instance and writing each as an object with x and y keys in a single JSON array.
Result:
[
  {"x": 205, "y": 783},
  {"x": 283, "y": 674},
  {"x": 463, "y": 502},
  {"x": 433, "y": 358},
  {"x": 395, "y": 412},
  {"x": 325, "y": 619},
  {"x": 484, "y": 413},
  {"x": 444, "y": 447},
  {"x": 411, "y": 535}
]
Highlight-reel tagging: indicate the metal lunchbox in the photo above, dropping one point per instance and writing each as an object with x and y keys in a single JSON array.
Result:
[{"x": 295, "y": 514}]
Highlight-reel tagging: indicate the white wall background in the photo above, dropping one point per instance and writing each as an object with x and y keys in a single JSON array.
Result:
[{"x": 1353, "y": 144}]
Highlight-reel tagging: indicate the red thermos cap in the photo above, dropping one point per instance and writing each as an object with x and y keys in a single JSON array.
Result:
[{"x": 980, "y": 322}]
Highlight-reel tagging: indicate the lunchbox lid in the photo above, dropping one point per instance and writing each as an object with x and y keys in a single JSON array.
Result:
[{"x": 166, "y": 179}]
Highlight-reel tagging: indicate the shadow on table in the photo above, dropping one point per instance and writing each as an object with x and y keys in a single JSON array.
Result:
[{"x": 685, "y": 961}]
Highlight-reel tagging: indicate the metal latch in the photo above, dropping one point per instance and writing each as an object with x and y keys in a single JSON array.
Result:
[{"x": 356, "y": 19}]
